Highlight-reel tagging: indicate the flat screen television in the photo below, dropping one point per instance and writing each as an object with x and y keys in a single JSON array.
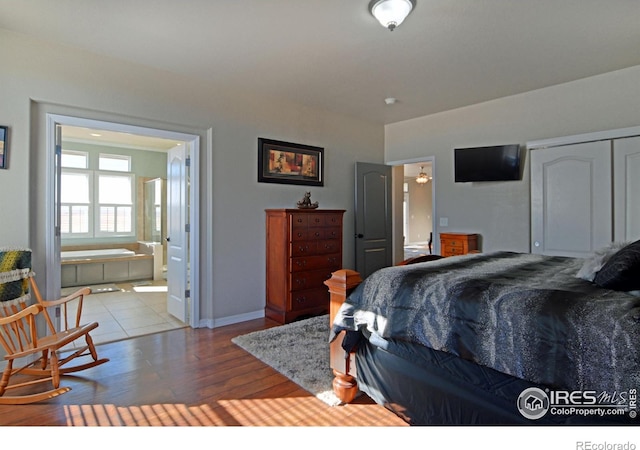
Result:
[{"x": 494, "y": 163}]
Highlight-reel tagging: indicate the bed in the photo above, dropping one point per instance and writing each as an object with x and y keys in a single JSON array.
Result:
[{"x": 495, "y": 338}]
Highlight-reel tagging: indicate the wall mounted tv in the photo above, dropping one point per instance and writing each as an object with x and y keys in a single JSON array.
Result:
[{"x": 494, "y": 163}]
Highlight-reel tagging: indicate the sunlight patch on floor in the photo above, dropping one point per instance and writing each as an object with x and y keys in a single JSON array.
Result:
[{"x": 150, "y": 288}]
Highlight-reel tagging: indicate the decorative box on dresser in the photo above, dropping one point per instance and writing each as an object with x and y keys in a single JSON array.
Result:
[
  {"x": 304, "y": 247},
  {"x": 452, "y": 244}
]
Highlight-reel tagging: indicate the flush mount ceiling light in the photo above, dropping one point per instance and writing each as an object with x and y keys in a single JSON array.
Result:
[
  {"x": 391, "y": 13},
  {"x": 422, "y": 177}
]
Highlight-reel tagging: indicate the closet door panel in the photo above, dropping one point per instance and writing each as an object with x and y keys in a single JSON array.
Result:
[
  {"x": 571, "y": 199},
  {"x": 626, "y": 194}
]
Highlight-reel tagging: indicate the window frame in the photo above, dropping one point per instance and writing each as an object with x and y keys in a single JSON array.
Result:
[
  {"x": 90, "y": 186},
  {"x": 98, "y": 206},
  {"x": 94, "y": 206}
]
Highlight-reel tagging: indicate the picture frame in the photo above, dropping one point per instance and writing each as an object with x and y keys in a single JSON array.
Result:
[
  {"x": 4, "y": 139},
  {"x": 289, "y": 163}
]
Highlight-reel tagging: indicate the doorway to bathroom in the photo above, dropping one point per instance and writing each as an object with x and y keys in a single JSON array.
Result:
[{"x": 129, "y": 206}]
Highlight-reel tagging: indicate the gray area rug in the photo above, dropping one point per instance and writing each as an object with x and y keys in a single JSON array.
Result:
[{"x": 299, "y": 351}]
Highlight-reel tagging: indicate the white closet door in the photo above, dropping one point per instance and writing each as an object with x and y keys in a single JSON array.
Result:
[
  {"x": 626, "y": 193},
  {"x": 571, "y": 199}
]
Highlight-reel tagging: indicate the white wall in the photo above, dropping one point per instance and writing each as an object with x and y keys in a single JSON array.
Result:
[
  {"x": 499, "y": 212},
  {"x": 38, "y": 76}
]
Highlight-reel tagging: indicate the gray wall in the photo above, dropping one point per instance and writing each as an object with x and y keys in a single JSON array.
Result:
[
  {"x": 38, "y": 77},
  {"x": 499, "y": 212}
]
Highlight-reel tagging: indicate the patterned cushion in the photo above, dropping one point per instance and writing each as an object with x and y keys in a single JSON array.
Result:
[
  {"x": 622, "y": 271},
  {"x": 15, "y": 266}
]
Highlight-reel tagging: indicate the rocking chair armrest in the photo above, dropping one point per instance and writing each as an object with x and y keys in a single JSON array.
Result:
[
  {"x": 30, "y": 310},
  {"x": 67, "y": 321},
  {"x": 80, "y": 293}
]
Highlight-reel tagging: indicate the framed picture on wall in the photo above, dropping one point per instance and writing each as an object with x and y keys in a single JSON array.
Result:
[
  {"x": 288, "y": 163},
  {"x": 4, "y": 132}
]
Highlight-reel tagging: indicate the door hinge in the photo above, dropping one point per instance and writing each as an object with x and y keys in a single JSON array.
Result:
[
  {"x": 187, "y": 293},
  {"x": 187, "y": 227},
  {"x": 187, "y": 162}
]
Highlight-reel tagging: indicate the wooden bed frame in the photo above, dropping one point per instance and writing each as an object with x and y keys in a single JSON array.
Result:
[
  {"x": 341, "y": 283},
  {"x": 345, "y": 386}
]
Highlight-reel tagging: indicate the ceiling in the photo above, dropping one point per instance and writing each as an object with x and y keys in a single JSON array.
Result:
[
  {"x": 116, "y": 139},
  {"x": 333, "y": 55}
]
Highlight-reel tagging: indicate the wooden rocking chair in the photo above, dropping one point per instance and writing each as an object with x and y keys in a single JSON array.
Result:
[{"x": 32, "y": 359}]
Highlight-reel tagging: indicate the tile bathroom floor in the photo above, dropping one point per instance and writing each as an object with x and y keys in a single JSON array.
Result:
[{"x": 136, "y": 309}]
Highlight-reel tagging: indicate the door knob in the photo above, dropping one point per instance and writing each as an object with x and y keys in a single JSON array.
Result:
[
  {"x": 168, "y": 239},
  {"x": 359, "y": 235}
]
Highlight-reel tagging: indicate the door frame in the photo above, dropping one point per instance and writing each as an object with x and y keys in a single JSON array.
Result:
[
  {"x": 398, "y": 245},
  {"x": 52, "y": 243}
]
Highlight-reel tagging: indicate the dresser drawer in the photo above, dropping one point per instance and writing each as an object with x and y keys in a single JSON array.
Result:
[
  {"x": 328, "y": 246},
  {"x": 453, "y": 242},
  {"x": 299, "y": 221},
  {"x": 303, "y": 248},
  {"x": 310, "y": 298},
  {"x": 299, "y": 234},
  {"x": 302, "y": 263},
  {"x": 449, "y": 250},
  {"x": 333, "y": 220},
  {"x": 317, "y": 220},
  {"x": 309, "y": 279}
]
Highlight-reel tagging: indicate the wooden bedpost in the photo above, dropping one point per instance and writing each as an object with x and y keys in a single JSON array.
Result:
[{"x": 345, "y": 386}]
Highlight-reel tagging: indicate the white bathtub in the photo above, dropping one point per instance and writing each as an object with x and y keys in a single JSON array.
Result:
[
  {"x": 110, "y": 265},
  {"x": 96, "y": 254}
]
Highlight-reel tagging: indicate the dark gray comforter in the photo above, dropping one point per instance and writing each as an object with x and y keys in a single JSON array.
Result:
[{"x": 521, "y": 314}]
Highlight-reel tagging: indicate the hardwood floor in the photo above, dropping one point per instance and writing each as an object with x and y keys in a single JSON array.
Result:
[{"x": 189, "y": 377}]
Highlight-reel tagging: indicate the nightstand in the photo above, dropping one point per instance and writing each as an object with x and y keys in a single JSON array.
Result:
[{"x": 452, "y": 244}]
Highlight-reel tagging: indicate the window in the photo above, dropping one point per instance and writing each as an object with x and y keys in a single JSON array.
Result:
[
  {"x": 75, "y": 202},
  {"x": 118, "y": 163},
  {"x": 96, "y": 203},
  {"x": 76, "y": 160},
  {"x": 115, "y": 200}
]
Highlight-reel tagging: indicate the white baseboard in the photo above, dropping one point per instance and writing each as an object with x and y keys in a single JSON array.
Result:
[{"x": 230, "y": 320}]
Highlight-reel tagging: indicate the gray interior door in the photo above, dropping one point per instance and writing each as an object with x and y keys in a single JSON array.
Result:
[{"x": 373, "y": 214}]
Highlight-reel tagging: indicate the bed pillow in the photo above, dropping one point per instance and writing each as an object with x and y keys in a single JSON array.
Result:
[
  {"x": 594, "y": 263},
  {"x": 622, "y": 271}
]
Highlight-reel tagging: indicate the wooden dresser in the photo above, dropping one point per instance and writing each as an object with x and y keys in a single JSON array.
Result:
[
  {"x": 304, "y": 247},
  {"x": 452, "y": 244}
]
